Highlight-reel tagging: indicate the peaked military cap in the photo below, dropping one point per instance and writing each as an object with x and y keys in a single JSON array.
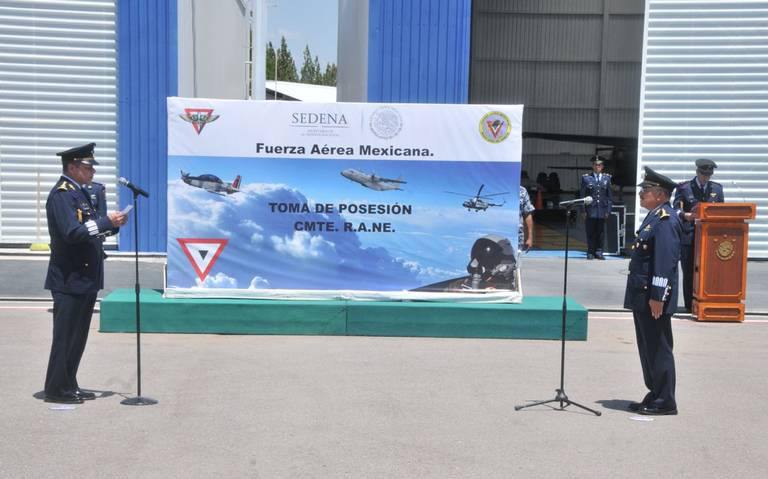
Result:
[
  {"x": 81, "y": 154},
  {"x": 653, "y": 178},
  {"x": 705, "y": 164},
  {"x": 597, "y": 159}
]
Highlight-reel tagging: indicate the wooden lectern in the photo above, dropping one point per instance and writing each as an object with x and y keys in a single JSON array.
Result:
[{"x": 720, "y": 261}]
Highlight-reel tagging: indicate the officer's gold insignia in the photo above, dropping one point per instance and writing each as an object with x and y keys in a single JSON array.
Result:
[
  {"x": 725, "y": 250},
  {"x": 79, "y": 215}
]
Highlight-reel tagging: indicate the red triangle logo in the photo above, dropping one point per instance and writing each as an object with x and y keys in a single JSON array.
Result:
[{"x": 202, "y": 253}]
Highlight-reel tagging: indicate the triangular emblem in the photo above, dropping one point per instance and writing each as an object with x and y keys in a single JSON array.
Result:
[
  {"x": 495, "y": 126},
  {"x": 199, "y": 117},
  {"x": 202, "y": 253}
]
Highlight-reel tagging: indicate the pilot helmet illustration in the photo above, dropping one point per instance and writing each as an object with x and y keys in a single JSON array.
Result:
[{"x": 492, "y": 260}]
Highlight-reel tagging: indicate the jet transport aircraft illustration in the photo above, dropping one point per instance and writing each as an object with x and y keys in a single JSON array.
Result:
[
  {"x": 372, "y": 181},
  {"x": 212, "y": 183}
]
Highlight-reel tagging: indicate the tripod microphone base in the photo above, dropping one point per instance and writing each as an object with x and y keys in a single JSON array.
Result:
[
  {"x": 562, "y": 398},
  {"x": 138, "y": 401}
]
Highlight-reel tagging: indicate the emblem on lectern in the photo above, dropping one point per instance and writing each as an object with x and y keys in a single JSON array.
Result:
[{"x": 725, "y": 250}]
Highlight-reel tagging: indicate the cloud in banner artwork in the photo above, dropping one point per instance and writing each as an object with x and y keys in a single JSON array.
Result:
[{"x": 264, "y": 250}]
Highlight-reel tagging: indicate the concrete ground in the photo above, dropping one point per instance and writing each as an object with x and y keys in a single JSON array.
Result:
[
  {"x": 309, "y": 406},
  {"x": 295, "y": 406}
]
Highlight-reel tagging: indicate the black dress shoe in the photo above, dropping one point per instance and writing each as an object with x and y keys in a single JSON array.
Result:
[
  {"x": 600, "y": 256},
  {"x": 654, "y": 410},
  {"x": 66, "y": 398},
  {"x": 84, "y": 395},
  {"x": 634, "y": 406},
  {"x": 590, "y": 256}
]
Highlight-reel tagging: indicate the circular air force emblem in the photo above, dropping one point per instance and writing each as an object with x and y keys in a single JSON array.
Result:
[
  {"x": 494, "y": 127},
  {"x": 725, "y": 250},
  {"x": 386, "y": 122}
]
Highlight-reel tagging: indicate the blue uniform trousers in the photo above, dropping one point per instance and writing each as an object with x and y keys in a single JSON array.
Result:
[
  {"x": 595, "y": 229},
  {"x": 71, "y": 323},
  {"x": 686, "y": 262},
  {"x": 654, "y": 343}
]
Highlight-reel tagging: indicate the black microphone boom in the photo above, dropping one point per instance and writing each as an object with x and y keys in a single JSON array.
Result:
[
  {"x": 587, "y": 200},
  {"x": 136, "y": 190}
]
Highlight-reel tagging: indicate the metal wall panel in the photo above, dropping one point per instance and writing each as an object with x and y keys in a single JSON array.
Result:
[
  {"x": 418, "y": 51},
  {"x": 705, "y": 95},
  {"x": 147, "y": 75},
  {"x": 541, "y": 6},
  {"x": 57, "y": 91},
  {"x": 511, "y": 36}
]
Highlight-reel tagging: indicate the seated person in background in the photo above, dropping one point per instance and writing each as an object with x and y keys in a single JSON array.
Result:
[{"x": 553, "y": 185}]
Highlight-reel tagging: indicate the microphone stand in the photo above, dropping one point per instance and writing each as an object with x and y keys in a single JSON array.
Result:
[
  {"x": 560, "y": 395},
  {"x": 138, "y": 400}
]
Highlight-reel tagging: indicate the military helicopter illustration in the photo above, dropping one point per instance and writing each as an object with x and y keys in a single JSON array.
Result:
[
  {"x": 478, "y": 202},
  {"x": 212, "y": 183},
  {"x": 372, "y": 181}
]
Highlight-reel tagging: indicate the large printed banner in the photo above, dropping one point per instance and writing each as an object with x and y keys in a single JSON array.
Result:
[{"x": 298, "y": 200}]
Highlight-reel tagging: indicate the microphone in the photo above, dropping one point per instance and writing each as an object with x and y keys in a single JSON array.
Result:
[
  {"x": 136, "y": 190},
  {"x": 587, "y": 200}
]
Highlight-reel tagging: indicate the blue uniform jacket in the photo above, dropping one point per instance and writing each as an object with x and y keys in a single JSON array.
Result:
[
  {"x": 688, "y": 195},
  {"x": 77, "y": 256},
  {"x": 600, "y": 191},
  {"x": 653, "y": 263},
  {"x": 98, "y": 193}
]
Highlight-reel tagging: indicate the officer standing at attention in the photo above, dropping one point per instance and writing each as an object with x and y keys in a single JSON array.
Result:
[
  {"x": 597, "y": 185},
  {"x": 687, "y": 198},
  {"x": 75, "y": 271},
  {"x": 651, "y": 293}
]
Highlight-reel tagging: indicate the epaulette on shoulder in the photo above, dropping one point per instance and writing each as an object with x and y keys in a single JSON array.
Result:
[
  {"x": 587, "y": 174},
  {"x": 682, "y": 183},
  {"x": 663, "y": 213},
  {"x": 64, "y": 186},
  {"x": 716, "y": 183}
]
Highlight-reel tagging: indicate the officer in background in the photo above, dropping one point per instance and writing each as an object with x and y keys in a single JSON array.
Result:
[
  {"x": 525, "y": 223},
  {"x": 75, "y": 271},
  {"x": 597, "y": 185},
  {"x": 651, "y": 293},
  {"x": 687, "y": 198}
]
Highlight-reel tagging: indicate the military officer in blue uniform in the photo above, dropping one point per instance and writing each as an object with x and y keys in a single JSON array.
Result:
[
  {"x": 75, "y": 271},
  {"x": 687, "y": 198},
  {"x": 597, "y": 185},
  {"x": 651, "y": 293}
]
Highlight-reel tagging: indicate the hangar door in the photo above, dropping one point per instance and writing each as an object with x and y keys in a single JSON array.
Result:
[
  {"x": 575, "y": 66},
  {"x": 57, "y": 90}
]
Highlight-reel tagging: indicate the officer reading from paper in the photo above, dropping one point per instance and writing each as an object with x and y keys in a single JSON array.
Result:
[
  {"x": 75, "y": 270},
  {"x": 597, "y": 185},
  {"x": 651, "y": 293},
  {"x": 687, "y": 198}
]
